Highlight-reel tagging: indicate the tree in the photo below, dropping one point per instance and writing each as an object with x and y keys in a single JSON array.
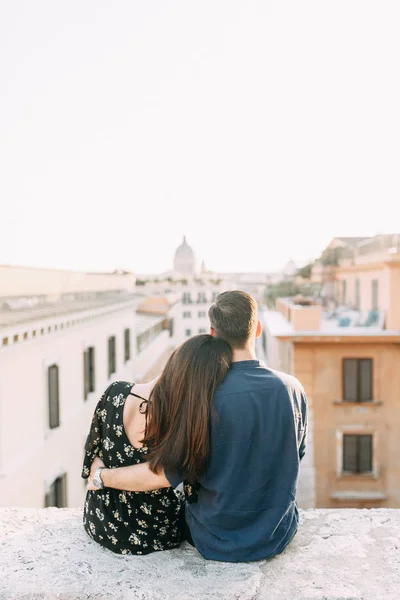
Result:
[
  {"x": 283, "y": 289},
  {"x": 331, "y": 256},
  {"x": 289, "y": 289},
  {"x": 305, "y": 272}
]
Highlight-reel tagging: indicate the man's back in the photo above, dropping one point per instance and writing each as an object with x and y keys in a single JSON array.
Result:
[{"x": 246, "y": 507}]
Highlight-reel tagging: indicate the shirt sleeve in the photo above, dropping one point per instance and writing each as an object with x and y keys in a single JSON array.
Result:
[
  {"x": 174, "y": 477},
  {"x": 93, "y": 441}
]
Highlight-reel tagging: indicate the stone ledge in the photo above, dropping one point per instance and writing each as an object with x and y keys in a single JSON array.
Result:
[{"x": 336, "y": 555}]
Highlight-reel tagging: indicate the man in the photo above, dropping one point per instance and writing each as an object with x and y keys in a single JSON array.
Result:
[{"x": 246, "y": 508}]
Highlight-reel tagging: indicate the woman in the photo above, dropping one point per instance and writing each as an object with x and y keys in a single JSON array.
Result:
[{"x": 164, "y": 422}]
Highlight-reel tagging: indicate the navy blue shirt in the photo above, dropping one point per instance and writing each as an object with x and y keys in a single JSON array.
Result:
[{"x": 246, "y": 508}]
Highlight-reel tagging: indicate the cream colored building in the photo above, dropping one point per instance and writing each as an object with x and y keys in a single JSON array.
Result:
[
  {"x": 347, "y": 355},
  {"x": 187, "y": 306},
  {"x": 189, "y": 293},
  {"x": 64, "y": 337}
]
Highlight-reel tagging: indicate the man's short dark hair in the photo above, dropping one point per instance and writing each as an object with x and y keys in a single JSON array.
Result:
[{"x": 233, "y": 317}]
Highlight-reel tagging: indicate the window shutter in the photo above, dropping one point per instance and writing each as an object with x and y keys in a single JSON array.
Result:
[
  {"x": 53, "y": 396},
  {"x": 85, "y": 374},
  {"x": 61, "y": 491},
  {"x": 92, "y": 370},
  {"x": 350, "y": 375},
  {"x": 350, "y": 453},
  {"x": 50, "y": 498},
  {"x": 110, "y": 357},
  {"x": 365, "y": 378},
  {"x": 57, "y": 494},
  {"x": 127, "y": 344},
  {"x": 364, "y": 453}
]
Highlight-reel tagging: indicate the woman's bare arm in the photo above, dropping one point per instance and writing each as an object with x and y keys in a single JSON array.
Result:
[{"x": 135, "y": 478}]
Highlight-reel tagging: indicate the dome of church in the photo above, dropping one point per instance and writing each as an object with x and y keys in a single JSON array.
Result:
[
  {"x": 184, "y": 261},
  {"x": 184, "y": 250},
  {"x": 290, "y": 269}
]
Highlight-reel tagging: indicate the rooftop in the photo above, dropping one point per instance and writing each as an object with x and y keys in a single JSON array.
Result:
[
  {"x": 158, "y": 304},
  {"x": 14, "y": 311},
  {"x": 352, "y": 241},
  {"x": 336, "y": 555},
  {"x": 293, "y": 318}
]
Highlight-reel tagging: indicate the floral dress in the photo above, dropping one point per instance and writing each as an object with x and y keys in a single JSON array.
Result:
[{"x": 126, "y": 522}]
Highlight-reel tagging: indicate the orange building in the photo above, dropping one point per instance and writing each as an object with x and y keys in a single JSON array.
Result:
[{"x": 345, "y": 349}]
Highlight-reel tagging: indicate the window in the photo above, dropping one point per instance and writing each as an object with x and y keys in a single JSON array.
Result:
[
  {"x": 201, "y": 314},
  {"x": 357, "y": 379},
  {"x": 374, "y": 294},
  {"x": 53, "y": 396},
  {"x": 357, "y": 294},
  {"x": 186, "y": 298},
  {"x": 127, "y": 344},
  {"x": 187, "y": 315},
  {"x": 357, "y": 453},
  {"x": 344, "y": 292},
  {"x": 57, "y": 494},
  {"x": 171, "y": 327},
  {"x": 112, "y": 360},
  {"x": 202, "y": 330},
  {"x": 88, "y": 371},
  {"x": 201, "y": 298},
  {"x": 188, "y": 332}
]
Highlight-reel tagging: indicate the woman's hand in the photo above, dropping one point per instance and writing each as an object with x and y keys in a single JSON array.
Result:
[{"x": 94, "y": 466}]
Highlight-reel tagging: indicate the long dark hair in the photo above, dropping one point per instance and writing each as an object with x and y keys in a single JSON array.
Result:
[{"x": 180, "y": 403}]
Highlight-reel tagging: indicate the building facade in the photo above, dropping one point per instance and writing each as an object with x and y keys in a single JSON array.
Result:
[
  {"x": 64, "y": 337},
  {"x": 187, "y": 293},
  {"x": 347, "y": 354}
]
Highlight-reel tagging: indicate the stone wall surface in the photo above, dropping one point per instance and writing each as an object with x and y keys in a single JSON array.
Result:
[{"x": 336, "y": 555}]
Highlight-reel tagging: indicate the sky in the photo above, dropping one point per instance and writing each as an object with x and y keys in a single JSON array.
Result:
[{"x": 258, "y": 129}]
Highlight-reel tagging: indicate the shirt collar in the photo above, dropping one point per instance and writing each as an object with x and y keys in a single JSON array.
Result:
[{"x": 247, "y": 364}]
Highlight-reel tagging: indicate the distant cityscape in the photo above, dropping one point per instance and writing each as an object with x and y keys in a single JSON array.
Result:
[{"x": 333, "y": 323}]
